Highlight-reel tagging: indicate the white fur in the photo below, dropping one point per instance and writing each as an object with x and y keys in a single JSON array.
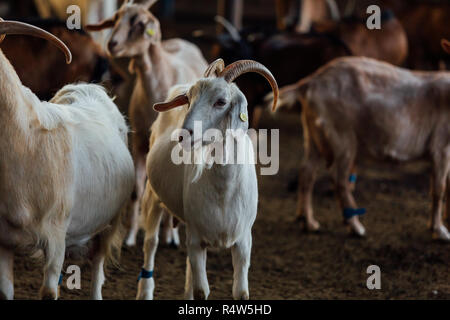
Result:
[
  {"x": 217, "y": 203},
  {"x": 66, "y": 174}
]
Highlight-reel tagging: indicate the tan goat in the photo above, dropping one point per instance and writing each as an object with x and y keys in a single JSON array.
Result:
[
  {"x": 355, "y": 107},
  {"x": 159, "y": 65}
]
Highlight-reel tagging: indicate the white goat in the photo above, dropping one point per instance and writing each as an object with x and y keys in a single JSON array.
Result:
[
  {"x": 159, "y": 65},
  {"x": 65, "y": 173},
  {"x": 217, "y": 202}
]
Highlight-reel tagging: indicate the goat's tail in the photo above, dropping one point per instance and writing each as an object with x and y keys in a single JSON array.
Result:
[{"x": 289, "y": 96}]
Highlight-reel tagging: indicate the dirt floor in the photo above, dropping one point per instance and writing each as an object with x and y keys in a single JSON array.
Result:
[{"x": 288, "y": 263}]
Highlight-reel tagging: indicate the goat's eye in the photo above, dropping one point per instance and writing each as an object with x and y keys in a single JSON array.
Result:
[
  {"x": 138, "y": 27},
  {"x": 220, "y": 103}
]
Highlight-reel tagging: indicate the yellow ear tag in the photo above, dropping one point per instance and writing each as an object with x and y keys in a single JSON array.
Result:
[
  {"x": 243, "y": 117},
  {"x": 150, "y": 32}
]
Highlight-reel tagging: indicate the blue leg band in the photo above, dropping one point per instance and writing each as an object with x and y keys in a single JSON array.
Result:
[
  {"x": 350, "y": 212},
  {"x": 353, "y": 178},
  {"x": 60, "y": 279},
  {"x": 145, "y": 274}
]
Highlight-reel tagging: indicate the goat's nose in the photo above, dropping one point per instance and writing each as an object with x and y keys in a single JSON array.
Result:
[{"x": 111, "y": 45}]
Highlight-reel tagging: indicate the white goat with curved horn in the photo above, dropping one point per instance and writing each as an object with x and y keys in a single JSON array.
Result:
[
  {"x": 65, "y": 173},
  {"x": 217, "y": 202}
]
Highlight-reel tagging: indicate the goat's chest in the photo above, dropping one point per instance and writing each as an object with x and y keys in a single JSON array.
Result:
[{"x": 220, "y": 211}]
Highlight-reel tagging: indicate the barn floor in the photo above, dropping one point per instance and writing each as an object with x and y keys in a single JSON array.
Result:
[{"x": 288, "y": 263}]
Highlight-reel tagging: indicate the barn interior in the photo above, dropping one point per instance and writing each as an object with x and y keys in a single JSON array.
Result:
[{"x": 288, "y": 262}]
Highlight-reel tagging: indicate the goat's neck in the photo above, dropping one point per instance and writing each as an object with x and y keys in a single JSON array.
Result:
[
  {"x": 153, "y": 70},
  {"x": 233, "y": 149},
  {"x": 11, "y": 94}
]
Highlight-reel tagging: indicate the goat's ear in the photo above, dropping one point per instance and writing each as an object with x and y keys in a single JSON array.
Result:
[
  {"x": 148, "y": 3},
  {"x": 445, "y": 45},
  {"x": 105, "y": 24},
  {"x": 175, "y": 102},
  {"x": 239, "y": 112}
]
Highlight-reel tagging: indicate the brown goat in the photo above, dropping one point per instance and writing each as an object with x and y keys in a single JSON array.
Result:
[
  {"x": 389, "y": 44},
  {"x": 425, "y": 25},
  {"x": 358, "y": 106}
]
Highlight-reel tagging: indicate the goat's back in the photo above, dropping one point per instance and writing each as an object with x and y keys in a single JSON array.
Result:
[
  {"x": 388, "y": 111},
  {"x": 102, "y": 165}
]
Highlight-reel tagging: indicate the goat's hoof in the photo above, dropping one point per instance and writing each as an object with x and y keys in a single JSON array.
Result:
[
  {"x": 358, "y": 231},
  {"x": 47, "y": 294},
  {"x": 309, "y": 226},
  {"x": 144, "y": 295},
  {"x": 356, "y": 227},
  {"x": 442, "y": 234},
  {"x": 312, "y": 226},
  {"x": 3, "y": 296},
  {"x": 131, "y": 241},
  {"x": 173, "y": 244},
  {"x": 242, "y": 296},
  {"x": 145, "y": 289},
  {"x": 199, "y": 295}
]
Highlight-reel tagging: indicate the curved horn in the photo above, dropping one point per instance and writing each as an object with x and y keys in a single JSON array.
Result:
[
  {"x": 232, "y": 30},
  {"x": 334, "y": 10},
  {"x": 175, "y": 102},
  {"x": 215, "y": 68},
  {"x": 2, "y": 36},
  {"x": 14, "y": 27},
  {"x": 240, "y": 67}
]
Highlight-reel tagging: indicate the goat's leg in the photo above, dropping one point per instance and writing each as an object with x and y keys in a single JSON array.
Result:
[
  {"x": 98, "y": 275},
  {"x": 140, "y": 183},
  {"x": 197, "y": 259},
  {"x": 175, "y": 236},
  {"x": 440, "y": 177},
  {"x": 347, "y": 202},
  {"x": 352, "y": 178},
  {"x": 241, "y": 252},
  {"x": 188, "y": 289},
  {"x": 153, "y": 213},
  {"x": 307, "y": 178},
  {"x": 54, "y": 254},
  {"x": 6, "y": 274},
  {"x": 170, "y": 233}
]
